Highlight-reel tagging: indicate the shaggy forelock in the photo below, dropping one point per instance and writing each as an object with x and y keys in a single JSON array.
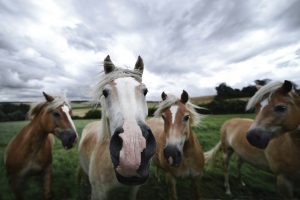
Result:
[
  {"x": 37, "y": 107},
  {"x": 264, "y": 92},
  {"x": 107, "y": 78},
  {"x": 172, "y": 100}
]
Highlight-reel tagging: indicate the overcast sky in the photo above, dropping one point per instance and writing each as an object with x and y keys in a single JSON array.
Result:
[{"x": 58, "y": 46}]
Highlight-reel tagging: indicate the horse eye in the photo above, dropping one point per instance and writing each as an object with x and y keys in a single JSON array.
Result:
[
  {"x": 56, "y": 114},
  {"x": 186, "y": 118},
  {"x": 105, "y": 93},
  {"x": 145, "y": 91},
  {"x": 280, "y": 108}
]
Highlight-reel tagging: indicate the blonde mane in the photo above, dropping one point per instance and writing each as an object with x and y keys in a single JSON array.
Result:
[
  {"x": 107, "y": 78},
  {"x": 36, "y": 108},
  {"x": 171, "y": 100}
]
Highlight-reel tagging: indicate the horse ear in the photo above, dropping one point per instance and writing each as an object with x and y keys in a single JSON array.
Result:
[
  {"x": 108, "y": 65},
  {"x": 139, "y": 65},
  {"x": 286, "y": 87},
  {"x": 48, "y": 97},
  {"x": 184, "y": 97},
  {"x": 163, "y": 96}
]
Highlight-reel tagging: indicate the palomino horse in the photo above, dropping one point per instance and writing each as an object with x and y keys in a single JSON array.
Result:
[
  {"x": 233, "y": 140},
  {"x": 276, "y": 130},
  {"x": 178, "y": 152},
  {"x": 30, "y": 151},
  {"x": 118, "y": 148}
]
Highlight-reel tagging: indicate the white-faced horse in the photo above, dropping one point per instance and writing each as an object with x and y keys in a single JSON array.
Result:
[
  {"x": 117, "y": 150},
  {"x": 276, "y": 130}
]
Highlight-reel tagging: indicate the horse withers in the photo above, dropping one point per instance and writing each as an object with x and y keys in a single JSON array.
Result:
[
  {"x": 117, "y": 150},
  {"x": 30, "y": 151},
  {"x": 178, "y": 152},
  {"x": 276, "y": 130}
]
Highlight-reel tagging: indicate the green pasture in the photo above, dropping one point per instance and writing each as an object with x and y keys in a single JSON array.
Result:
[{"x": 260, "y": 185}]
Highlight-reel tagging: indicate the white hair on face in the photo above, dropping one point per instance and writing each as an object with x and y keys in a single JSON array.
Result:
[
  {"x": 57, "y": 101},
  {"x": 107, "y": 78},
  {"x": 171, "y": 100},
  {"x": 264, "y": 92}
]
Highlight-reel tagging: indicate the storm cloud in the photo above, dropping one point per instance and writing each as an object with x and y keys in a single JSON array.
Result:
[{"x": 59, "y": 46}]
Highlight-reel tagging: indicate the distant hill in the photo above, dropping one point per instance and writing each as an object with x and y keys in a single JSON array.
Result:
[{"x": 202, "y": 100}]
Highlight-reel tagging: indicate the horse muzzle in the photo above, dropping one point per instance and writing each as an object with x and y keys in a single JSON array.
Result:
[
  {"x": 68, "y": 138},
  {"x": 172, "y": 155},
  {"x": 132, "y": 167},
  {"x": 259, "y": 137}
]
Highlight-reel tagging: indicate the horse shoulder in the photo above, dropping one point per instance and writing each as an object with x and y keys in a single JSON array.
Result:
[{"x": 234, "y": 131}]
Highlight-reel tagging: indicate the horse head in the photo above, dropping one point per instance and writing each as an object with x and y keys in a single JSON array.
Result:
[
  {"x": 124, "y": 107},
  {"x": 55, "y": 117},
  {"x": 278, "y": 111},
  {"x": 178, "y": 117}
]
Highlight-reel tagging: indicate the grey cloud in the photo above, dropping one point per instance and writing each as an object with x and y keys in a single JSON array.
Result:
[
  {"x": 177, "y": 38},
  {"x": 290, "y": 17},
  {"x": 86, "y": 38}
]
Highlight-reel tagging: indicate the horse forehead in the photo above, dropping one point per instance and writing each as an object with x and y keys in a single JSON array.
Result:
[
  {"x": 127, "y": 82},
  {"x": 173, "y": 111},
  {"x": 65, "y": 108}
]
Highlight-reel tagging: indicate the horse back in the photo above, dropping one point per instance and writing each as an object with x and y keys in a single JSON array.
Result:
[
  {"x": 233, "y": 136},
  {"x": 157, "y": 127}
]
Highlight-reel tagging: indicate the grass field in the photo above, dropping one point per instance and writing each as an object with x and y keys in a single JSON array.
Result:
[{"x": 260, "y": 185}]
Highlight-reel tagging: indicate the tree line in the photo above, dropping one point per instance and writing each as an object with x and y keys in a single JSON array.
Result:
[{"x": 227, "y": 101}]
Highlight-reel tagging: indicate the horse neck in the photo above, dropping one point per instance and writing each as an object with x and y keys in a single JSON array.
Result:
[
  {"x": 295, "y": 137},
  {"x": 35, "y": 135}
]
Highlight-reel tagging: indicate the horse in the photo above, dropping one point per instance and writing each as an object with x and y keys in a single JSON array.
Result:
[
  {"x": 233, "y": 140},
  {"x": 117, "y": 150},
  {"x": 30, "y": 151},
  {"x": 276, "y": 131},
  {"x": 178, "y": 153}
]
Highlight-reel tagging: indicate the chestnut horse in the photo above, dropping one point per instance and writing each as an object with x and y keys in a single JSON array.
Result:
[
  {"x": 30, "y": 151},
  {"x": 178, "y": 151},
  {"x": 276, "y": 130},
  {"x": 118, "y": 148},
  {"x": 233, "y": 140}
]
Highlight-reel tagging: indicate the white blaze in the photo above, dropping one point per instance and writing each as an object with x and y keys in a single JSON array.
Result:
[
  {"x": 66, "y": 110},
  {"x": 173, "y": 110},
  {"x": 264, "y": 103}
]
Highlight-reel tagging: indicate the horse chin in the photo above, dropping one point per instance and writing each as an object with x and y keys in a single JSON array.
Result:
[{"x": 132, "y": 180}]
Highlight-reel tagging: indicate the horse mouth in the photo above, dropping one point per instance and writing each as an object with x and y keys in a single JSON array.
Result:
[{"x": 131, "y": 180}]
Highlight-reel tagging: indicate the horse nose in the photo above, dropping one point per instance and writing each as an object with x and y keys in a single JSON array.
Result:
[
  {"x": 68, "y": 139},
  {"x": 115, "y": 146},
  {"x": 258, "y": 138},
  {"x": 172, "y": 155}
]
